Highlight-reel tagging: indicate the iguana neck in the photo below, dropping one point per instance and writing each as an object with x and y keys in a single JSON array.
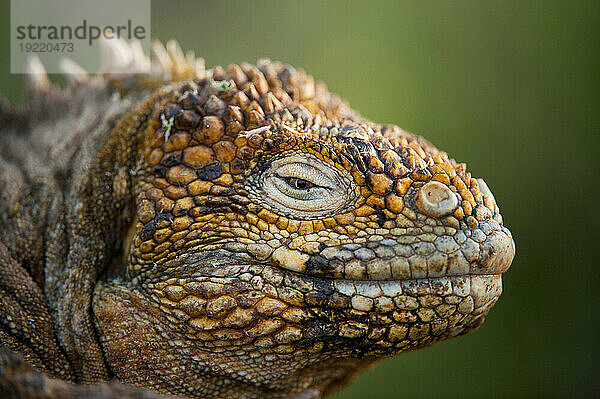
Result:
[{"x": 65, "y": 182}]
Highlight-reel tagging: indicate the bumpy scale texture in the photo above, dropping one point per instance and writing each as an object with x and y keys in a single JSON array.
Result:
[{"x": 236, "y": 232}]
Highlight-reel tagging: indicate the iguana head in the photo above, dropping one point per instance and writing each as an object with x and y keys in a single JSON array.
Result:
[{"x": 281, "y": 242}]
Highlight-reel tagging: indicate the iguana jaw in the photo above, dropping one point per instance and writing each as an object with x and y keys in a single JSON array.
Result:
[{"x": 373, "y": 315}]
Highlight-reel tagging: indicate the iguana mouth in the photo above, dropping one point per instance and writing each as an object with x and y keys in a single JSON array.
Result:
[
  {"x": 211, "y": 294},
  {"x": 387, "y": 275},
  {"x": 380, "y": 275}
]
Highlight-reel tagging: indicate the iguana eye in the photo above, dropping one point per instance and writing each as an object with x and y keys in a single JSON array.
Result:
[
  {"x": 299, "y": 184},
  {"x": 303, "y": 186},
  {"x": 299, "y": 180}
]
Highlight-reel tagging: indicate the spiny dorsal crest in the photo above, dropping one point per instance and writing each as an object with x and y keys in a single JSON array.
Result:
[{"x": 125, "y": 68}]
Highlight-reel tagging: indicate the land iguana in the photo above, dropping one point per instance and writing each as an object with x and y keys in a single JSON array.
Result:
[{"x": 237, "y": 232}]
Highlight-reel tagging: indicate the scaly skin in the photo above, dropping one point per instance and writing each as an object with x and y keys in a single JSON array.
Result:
[{"x": 240, "y": 234}]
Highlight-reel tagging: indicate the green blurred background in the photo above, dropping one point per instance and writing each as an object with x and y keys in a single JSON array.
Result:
[{"x": 510, "y": 87}]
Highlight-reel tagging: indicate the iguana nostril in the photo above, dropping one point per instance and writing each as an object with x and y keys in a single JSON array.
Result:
[{"x": 435, "y": 199}]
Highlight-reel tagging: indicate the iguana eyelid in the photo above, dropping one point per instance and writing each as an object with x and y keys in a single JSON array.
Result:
[{"x": 301, "y": 170}]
